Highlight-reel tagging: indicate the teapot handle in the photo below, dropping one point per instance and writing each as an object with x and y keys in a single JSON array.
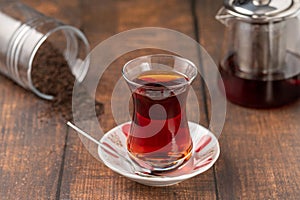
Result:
[{"x": 223, "y": 16}]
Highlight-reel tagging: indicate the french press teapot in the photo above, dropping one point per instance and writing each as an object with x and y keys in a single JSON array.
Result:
[{"x": 260, "y": 64}]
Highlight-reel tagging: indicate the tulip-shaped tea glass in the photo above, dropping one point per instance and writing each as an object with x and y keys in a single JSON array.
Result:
[{"x": 159, "y": 135}]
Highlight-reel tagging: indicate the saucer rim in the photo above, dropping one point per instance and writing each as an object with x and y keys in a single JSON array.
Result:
[{"x": 163, "y": 178}]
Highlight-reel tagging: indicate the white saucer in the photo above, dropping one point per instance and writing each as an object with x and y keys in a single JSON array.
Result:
[{"x": 206, "y": 151}]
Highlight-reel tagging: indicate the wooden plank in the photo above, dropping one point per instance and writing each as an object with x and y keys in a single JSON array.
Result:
[
  {"x": 259, "y": 148},
  {"x": 261, "y": 154},
  {"x": 66, "y": 11},
  {"x": 30, "y": 149},
  {"x": 83, "y": 176},
  {"x": 32, "y": 143}
]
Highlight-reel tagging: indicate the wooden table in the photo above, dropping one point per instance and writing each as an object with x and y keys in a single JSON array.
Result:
[{"x": 260, "y": 149}]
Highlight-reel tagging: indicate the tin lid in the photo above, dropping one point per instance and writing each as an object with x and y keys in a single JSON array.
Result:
[{"x": 263, "y": 10}]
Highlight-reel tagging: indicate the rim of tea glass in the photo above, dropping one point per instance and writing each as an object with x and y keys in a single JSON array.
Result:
[{"x": 190, "y": 80}]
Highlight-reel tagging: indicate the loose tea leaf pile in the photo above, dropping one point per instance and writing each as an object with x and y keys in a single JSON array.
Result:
[{"x": 51, "y": 75}]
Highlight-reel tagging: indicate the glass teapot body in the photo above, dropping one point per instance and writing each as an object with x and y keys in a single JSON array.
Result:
[{"x": 260, "y": 63}]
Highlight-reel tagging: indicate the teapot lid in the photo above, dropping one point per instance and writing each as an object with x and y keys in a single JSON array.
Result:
[{"x": 263, "y": 10}]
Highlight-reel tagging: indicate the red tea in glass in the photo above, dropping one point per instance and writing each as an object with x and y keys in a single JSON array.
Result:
[{"x": 159, "y": 133}]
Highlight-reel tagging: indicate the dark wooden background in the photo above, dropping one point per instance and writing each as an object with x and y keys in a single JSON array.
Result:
[{"x": 44, "y": 159}]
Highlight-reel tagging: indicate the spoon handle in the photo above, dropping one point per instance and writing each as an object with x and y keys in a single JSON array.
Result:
[
  {"x": 94, "y": 140},
  {"x": 83, "y": 133},
  {"x": 141, "y": 171}
]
